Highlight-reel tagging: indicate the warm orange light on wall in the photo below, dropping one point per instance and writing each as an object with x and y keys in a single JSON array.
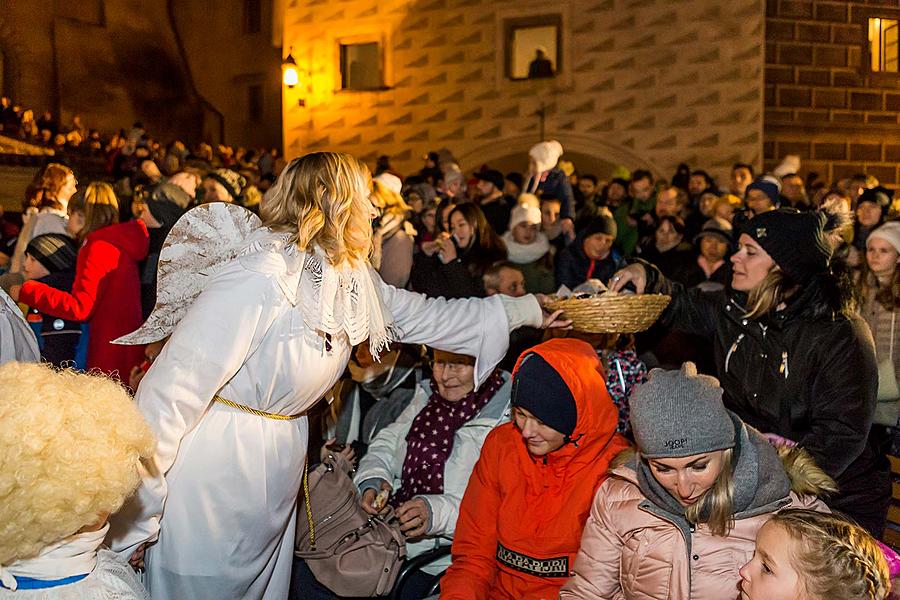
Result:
[{"x": 290, "y": 74}]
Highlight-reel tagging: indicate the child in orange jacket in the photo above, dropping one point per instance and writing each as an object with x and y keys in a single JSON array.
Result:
[{"x": 521, "y": 519}]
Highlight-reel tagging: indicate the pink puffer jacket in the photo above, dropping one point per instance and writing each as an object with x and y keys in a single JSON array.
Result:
[{"x": 630, "y": 552}]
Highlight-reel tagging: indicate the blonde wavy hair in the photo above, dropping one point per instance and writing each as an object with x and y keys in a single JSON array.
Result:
[
  {"x": 835, "y": 559},
  {"x": 322, "y": 200},
  {"x": 70, "y": 445},
  {"x": 718, "y": 501}
]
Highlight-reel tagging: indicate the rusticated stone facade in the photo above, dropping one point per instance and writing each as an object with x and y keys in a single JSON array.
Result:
[{"x": 643, "y": 83}]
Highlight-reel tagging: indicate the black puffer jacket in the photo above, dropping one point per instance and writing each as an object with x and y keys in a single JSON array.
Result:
[{"x": 808, "y": 378}]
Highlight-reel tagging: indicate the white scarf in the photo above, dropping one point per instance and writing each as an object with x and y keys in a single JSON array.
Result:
[
  {"x": 524, "y": 254},
  {"x": 75, "y": 555}
]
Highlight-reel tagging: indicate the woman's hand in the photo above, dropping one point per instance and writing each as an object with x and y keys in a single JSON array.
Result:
[
  {"x": 415, "y": 517},
  {"x": 635, "y": 274},
  {"x": 369, "y": 497},
  {"x": 552, "y": 320},
  {"x": 448, "y": 251}
]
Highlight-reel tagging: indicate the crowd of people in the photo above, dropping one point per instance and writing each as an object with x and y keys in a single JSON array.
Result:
[{"x": 738, "y": 448}]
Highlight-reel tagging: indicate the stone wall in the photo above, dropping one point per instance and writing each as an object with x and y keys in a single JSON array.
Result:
[
  {"x": 647, "y": 83},
  {"x": 823, "y": 103}
]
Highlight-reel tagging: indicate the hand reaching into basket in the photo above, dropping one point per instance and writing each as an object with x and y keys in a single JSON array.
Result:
[
  {"x": 635, "y": 274},
  {"x": 552, "y": 320}
]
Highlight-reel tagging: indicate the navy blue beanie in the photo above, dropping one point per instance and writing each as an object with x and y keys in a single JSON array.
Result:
[{"x": 540, "y": 390}]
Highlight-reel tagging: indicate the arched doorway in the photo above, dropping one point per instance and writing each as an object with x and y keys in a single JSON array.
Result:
[{"x": 590, "y": 155}]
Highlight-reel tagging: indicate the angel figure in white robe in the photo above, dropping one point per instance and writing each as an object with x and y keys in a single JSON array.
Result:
[{"x": 262, "y": 318}]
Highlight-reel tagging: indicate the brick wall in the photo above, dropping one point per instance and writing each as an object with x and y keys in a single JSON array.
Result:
[{"x": 822, "y": 101}]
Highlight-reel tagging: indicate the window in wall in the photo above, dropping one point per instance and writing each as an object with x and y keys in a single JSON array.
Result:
[
  {"x": 883, "y": 45},
  {"x": 533, "y": 47},
  {"x": 252, "y": 16},
  {"x": 361, "y": 66},
  {"x": 255, "y": 103}
]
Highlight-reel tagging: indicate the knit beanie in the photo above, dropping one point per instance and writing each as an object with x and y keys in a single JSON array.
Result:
[
  {"x": 767, "y": 185},
  {"x": 492, "y": 176},
  {"x": 717, "y": 228},
  {"x": 795, "y": 240},
  {"x": 540, "y": 390},
  {"x": 231, "y": 181},
  {"x": 422, "y": 190},
  {"x": 523, "y": 213},
  {"x": 516, "y": 178},
  {"x": 680, "y": 413},
  {"x": 602, "y": 223},
  {"x": 57, "y": 252},
  {"x": 546, "y": 154},
  {"x": 167, "y": 203},
  {"x": 889, "y": 232},
  {"x": 390, "y": 181},
  {"x": 881, "y": 196}
]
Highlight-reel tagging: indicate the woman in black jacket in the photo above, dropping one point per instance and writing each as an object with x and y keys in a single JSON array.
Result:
[
  {"x": 452, "y": 265},
  {"x": 793, "y": 357}
]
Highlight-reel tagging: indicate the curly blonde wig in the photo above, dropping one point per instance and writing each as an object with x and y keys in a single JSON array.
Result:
[
  {"x": 70, "y": 445},
  {"x": 322, "y": 199},
  {"x": 836, "y": 559}
]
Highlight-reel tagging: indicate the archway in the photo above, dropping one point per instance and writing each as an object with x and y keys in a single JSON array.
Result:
[{"x": 589, "y": 154}]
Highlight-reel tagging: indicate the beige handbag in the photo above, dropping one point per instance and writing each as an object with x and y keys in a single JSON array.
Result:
[
  {"x": 887, "y": 409},
  {"x": 349, "y": 551}
]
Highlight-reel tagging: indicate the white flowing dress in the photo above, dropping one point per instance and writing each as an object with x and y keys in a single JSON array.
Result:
[{"x": 222, "y": 503}]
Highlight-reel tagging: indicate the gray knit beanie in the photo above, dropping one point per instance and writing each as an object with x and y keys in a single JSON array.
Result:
[{"x": 680, "y": 413}]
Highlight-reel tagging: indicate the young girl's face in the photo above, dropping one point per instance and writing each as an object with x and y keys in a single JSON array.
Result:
[{"x": 770, "y": 574}]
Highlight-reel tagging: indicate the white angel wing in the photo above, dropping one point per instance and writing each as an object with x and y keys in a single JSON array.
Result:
[{"x": 202, "y": 241}]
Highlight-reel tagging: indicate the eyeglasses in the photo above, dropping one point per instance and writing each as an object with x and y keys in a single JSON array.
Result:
[{"x": 450, "y": 366}]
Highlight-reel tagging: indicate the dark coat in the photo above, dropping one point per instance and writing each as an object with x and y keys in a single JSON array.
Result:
[
  {"x": 809, "y": 379},
  {"x": 459, "y": 278},
  {"x": 58, "y": 338},
  {"x": 557, "y": 185},
  {"x": 573, "y": 267}
]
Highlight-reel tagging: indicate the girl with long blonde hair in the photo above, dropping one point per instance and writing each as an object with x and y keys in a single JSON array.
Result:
[{"x": 263, "y": 317}]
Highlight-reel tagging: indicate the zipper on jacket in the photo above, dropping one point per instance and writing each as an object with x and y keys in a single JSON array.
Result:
[
  {"x": 732, "y": 349},
  {"x": 784, "y": 365}
]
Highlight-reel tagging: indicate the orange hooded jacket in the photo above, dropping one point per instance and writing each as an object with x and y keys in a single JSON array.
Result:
[{"x": 520, "y": 522}]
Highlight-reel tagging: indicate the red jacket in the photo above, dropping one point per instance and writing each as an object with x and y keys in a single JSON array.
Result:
[
  {"x": 522, "y": 516},
  {"x": 106, "y": 292}
]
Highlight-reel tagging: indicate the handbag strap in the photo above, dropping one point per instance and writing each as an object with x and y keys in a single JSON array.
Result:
[{"x": 309, "y": 517}]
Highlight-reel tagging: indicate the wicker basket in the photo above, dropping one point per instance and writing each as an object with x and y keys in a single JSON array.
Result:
[{"x": 611, "y": 312}]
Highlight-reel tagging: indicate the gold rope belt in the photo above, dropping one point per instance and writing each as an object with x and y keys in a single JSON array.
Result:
[{"x": 253, "y": 411}]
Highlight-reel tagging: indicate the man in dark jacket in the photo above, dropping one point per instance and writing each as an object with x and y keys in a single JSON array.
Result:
[
  {"x": 591, "y": 255},
  {"x": 494, "y": 204}
]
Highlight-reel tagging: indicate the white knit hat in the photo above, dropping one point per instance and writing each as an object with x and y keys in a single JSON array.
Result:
[
  {"x": 527, "y": 199},
  {"x": 889, "y": 232},
  {"x": 546, "y": 154},
  {"x": 390, "y": 181},
  {"x": 524, "y": 214}
]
